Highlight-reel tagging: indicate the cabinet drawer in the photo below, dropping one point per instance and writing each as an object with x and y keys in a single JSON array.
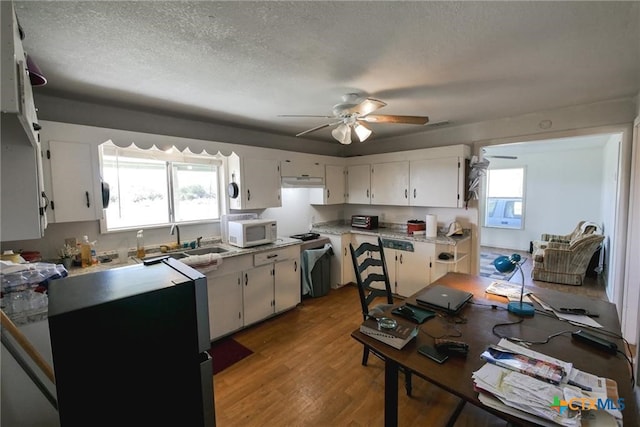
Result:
[{"x": 267, "y": 257}]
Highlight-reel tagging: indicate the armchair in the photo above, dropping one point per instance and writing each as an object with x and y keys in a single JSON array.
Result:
[
  {"x": 582, "y": 229},
  {"x": 565, "y": 263}
]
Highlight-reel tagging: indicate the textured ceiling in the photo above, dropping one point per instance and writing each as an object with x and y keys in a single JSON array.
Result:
[{"x": 245, "y": 63}]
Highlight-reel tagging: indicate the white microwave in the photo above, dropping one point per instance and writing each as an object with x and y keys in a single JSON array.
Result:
[{"x": 252, "y": 232}]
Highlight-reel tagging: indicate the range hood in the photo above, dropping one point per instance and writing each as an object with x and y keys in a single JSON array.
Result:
[{"x": 302, "y": 181}]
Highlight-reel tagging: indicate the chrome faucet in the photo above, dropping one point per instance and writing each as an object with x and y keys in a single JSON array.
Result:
[{"x": 174, "y": 227}]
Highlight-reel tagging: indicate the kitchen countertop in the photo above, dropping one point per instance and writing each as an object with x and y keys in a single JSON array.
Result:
[
  {"x": 30, "y": 316},
  {"x": 231, "y": 252},
  {"x": 390, "y": 231}
]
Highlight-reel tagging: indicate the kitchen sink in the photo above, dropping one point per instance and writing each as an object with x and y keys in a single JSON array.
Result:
[
  {"x": 183, "y": 253},
  {"x": 207, "y": 250}
]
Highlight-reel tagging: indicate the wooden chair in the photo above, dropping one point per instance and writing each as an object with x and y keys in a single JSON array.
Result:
[{"x": 373, "y": 282}]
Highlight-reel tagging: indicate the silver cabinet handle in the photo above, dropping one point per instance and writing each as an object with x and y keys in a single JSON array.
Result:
[
  {"x": 414, "y": 193},
  {"x": 246, "y": 279},
  {"x": 328, "y": 193},
  {"x": 406, "y": 194},
  {"x": 86, "y": 193},
  {"x": 400, "y": 258},
  {"x": 295, "y": 265},
  {"x": 367, "y": 192},
  {"x": 248, "y": 194}
]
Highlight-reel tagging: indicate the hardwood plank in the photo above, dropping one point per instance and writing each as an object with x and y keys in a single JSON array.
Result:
[{"x": 306, "y": 371}]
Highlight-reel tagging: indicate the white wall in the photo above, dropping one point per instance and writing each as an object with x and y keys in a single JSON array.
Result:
[
  {"x": 610, "y": 173},
  {"x": 561, "y": 188}
]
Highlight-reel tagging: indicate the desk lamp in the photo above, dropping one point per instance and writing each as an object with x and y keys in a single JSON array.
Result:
[{"x": 506, "y": 265}]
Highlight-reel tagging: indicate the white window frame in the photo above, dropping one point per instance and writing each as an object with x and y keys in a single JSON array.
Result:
[
  {"x": 522, "y": 198},
  {"x": 169, "y": 156}
]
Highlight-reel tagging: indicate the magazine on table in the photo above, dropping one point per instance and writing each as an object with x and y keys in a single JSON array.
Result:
[{"x": 540, "y": 369}]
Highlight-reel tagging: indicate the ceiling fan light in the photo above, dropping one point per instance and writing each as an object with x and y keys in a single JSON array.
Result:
[
  {"x": 362, "y": 131},
  {"x": 342, "y": 134}
]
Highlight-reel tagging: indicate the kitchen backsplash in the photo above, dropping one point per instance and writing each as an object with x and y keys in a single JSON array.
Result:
[{"x": 295, "y": 216}]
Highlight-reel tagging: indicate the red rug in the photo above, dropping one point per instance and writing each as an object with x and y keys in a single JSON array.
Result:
[{"x": 226, "y": 352}]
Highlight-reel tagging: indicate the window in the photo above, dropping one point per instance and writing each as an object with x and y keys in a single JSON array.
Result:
[
  {"x": 153, "y": 187},
  {"x": 504, "y": 199}
]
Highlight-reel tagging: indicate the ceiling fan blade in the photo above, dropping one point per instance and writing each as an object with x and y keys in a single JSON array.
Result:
[
  {"x": 318, "y": 128},
  {"x": 411, "y": 120},
  {"x": 304, "y": 115},
  {"x": 504, "y": 157},
  {"x": 367, "y": 106}
]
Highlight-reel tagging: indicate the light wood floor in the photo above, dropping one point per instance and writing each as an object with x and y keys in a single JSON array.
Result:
[{"x": 306, "y": 371}]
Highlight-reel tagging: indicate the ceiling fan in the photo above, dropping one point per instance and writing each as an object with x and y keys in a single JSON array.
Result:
[
  {"x": 353, "y": 113},
  {"x": 497, "y": 156}
]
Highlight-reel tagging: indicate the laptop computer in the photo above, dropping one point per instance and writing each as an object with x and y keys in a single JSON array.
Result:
[{"x": 443, "y": 298}]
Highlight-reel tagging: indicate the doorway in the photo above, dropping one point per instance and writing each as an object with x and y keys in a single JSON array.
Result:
[{"x": 567, "y": 179}]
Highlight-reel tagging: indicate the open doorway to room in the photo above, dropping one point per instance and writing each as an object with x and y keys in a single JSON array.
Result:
[{"x": 562, "y": 181}]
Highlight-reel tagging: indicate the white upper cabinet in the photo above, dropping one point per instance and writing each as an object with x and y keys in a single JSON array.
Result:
[
  {"x": 390, "y": 183},
  {"x": 359, "y": 184},
  {"x": 74, "y": 195},
  {"x": 257, "y": 181},
  {"x": 23, "y": 199},
  {"x": 299, "y": 168},
  {"x": 17, "y": 103},
  {"x": 334, "y": 192},
  {"x": 437, "y": 182}
]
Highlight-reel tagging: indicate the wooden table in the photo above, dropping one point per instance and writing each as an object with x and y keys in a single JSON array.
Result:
[{"x": 454, "y": 375}]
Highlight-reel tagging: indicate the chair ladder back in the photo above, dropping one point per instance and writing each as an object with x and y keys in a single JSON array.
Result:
[{"x": 368, "y": 293}]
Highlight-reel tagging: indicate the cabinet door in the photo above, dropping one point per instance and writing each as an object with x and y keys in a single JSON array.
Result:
[
  {"x": 287, "y": 284},
  {"x": 334, "y": 190},
  {"x": 413, "y": 269},
  {"x": 436, "y": 182},
  {"x": 225, "y": 304},
  {"x": 257, "y": 294},
  {"x": 22, "y": 207},
  {"x": 335, "y": 185},
  {"x": 390, "y": 183},
  {"x": 341, "y": 265},
  {"x": 359, "y": 184},
  {"x": 261, "y": 179},
  {"x": 72, "y": 182}
]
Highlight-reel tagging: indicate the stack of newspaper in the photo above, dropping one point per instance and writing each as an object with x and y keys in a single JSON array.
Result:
[{"x": 544, "y": 390}]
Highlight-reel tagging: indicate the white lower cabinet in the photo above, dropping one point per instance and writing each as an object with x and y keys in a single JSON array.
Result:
[
  {"x": 258, "y": 294},
  {"x": 225, "y": 304},
  {"x": 247, "y": 289},
  {"x": 411, "y": 271},
  {"x": 286, "y": 285},
  {"x": 342, "y": 271}
]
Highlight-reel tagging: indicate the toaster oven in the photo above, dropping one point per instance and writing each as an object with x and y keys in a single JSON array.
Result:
[{"x": 367, "y": 222}]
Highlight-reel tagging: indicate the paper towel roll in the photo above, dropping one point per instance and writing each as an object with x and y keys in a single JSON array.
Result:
[{"x": 432, "y": 225}]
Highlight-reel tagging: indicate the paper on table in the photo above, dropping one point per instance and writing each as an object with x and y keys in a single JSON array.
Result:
[
  {"x": 524, "y": 393},
  {"x": 573, "y": 318},
  {"x": 578, "y": 318}
]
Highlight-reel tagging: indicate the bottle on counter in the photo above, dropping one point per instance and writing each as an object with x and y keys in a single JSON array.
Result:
[
  {"x": 85, "y": 252},
  {"x": 140, "y": 239},
  {"x": 94, "y": 254}
]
